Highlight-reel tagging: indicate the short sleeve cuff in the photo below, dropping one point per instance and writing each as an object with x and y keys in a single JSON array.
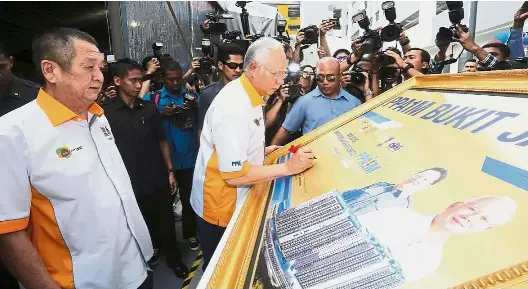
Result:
[
  {"x": 237, "y": 174},
  {"x": 13, "y": 225},
  {"x": 289, "y": 127}
]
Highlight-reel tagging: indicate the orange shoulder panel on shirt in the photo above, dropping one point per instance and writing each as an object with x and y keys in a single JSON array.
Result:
[
  {"x": 254, "y": 96},
  {"x": 13, "y": 225},
  {"x": 57, "y": 113},
  {"x": 49, "y": 242},
  {"x": 219, "y": 198}
]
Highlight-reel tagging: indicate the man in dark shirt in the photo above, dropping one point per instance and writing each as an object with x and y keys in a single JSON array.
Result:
[
  {"x": 230, "y": 62},
  {"x": 140, "y": 138},
  {"x": 14, "y": 93}
]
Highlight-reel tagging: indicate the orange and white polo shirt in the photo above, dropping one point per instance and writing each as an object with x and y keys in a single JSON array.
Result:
[
  {"x": 232, "y": 140},
  {"x": 65, "y": 177}
]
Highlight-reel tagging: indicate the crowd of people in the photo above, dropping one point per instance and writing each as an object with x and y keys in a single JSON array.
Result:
[{"x": 92, "y": 160}]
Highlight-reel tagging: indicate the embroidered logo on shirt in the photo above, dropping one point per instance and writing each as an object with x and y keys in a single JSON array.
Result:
[
  {"x": 65, "y": 152},
  {"x": 106, "y": 132},
  {"x": 257, "y": 121},
  {"x": 236, "y": 164}
]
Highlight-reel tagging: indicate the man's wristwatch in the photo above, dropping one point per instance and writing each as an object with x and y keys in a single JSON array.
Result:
[
  {"x": 171, "y": 170},
  {"x": 407, "y": 67},
  {"x": 368, "y": 93}
]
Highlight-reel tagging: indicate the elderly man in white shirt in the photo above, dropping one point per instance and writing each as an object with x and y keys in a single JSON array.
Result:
[{"x": 416, "y": 241}]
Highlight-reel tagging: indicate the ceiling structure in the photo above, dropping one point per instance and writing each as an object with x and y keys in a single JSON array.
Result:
[{"x": 20, "y": 21}]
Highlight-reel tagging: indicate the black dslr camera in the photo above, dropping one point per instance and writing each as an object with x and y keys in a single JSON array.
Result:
[
  {"x": 384, "y": 60},
  {"x": 370, "y": 40},
  {"x": 392, "y": 31},
  {"x": 356, "y": 75},
  {"x": 311, "y": 34},
  {"x": 445, "y": 35}
]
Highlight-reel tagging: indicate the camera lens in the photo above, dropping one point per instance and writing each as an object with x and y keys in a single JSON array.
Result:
[
  {"x": 357, "y": 78},
  {"x": 390, "y": 33}
]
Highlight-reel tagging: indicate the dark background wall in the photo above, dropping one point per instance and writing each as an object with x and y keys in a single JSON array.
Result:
[{"x": 148, "y": 22}]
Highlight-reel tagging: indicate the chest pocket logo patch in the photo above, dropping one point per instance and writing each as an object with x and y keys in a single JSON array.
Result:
[{"x": 65, "y": 152}]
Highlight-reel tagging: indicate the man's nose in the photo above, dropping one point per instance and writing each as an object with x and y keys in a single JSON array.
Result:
[{"x": 98, "y": 76}]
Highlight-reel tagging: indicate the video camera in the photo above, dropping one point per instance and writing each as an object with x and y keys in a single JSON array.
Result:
[
  {"x": 446, "y": 35},
  {"x": 214, "y": 26},
  {"x": 370, "y": 40},
  {"x": 392, "y": 31},
  {"x": 311, "y": 34}
]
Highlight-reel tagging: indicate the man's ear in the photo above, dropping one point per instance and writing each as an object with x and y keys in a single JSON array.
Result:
[
  {"x": 425, "y": 65},
  {"x": 11, "y": 61},
  {"x": 220, "y": 65},
  {"x": 117, "y": 81},
  {"x": 50, "y": 70},
  {"x": 253, "y": 65}
]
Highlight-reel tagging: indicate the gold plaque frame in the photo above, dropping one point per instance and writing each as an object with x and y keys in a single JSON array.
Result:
[{"x": 232, "y": 269}]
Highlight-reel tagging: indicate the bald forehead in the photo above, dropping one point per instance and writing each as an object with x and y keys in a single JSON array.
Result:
[{"x": 328, "y": 64}]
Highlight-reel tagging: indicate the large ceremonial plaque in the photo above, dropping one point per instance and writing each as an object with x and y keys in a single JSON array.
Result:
[{"x": 424, "y": 187}]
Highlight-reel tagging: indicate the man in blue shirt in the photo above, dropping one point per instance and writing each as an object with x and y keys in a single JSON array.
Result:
[
  {"x": 323, "y": 104},
  {"x": 178, "y": 108}
]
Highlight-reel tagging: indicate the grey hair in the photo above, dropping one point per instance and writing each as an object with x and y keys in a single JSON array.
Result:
[{"x": 260, "y": 49}]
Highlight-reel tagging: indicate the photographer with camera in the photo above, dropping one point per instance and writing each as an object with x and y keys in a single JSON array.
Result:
[
  {"x": 230, "y": 66},
  {"x": 491, "y": 56},
  {"x": 359, "y": 80},
  {"x": 178, "y": 107},
  {"x": 321, "y": 105},
  {"x": 415, "y": 62}
]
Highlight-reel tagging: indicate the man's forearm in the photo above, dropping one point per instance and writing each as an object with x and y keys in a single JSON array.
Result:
[
  {"x": 374, "y": 84},
  {"x": 21, "y": 258},
  {"x": 164, "y": 146},
  {"x": 145, "y": 87},
  {"x": 297, "y": 54},
  {"x": 280, "y": 137},
  {"x": 259, "y": 174},
  {"x": 480, "y": 53},
  {"x": 324, "y": 44}
]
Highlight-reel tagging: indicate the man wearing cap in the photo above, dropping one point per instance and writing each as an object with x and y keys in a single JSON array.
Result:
[{"x": 62, "y": 176}]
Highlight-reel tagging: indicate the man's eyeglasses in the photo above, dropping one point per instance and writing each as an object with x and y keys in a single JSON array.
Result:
[
  {"x": 233, "y": 65},
  {"x": 277, "y": 74},
  {"x": 306, "y": 75},
  {"x": 329, "y": 77},
  {"x": 342, "y": 58}
]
